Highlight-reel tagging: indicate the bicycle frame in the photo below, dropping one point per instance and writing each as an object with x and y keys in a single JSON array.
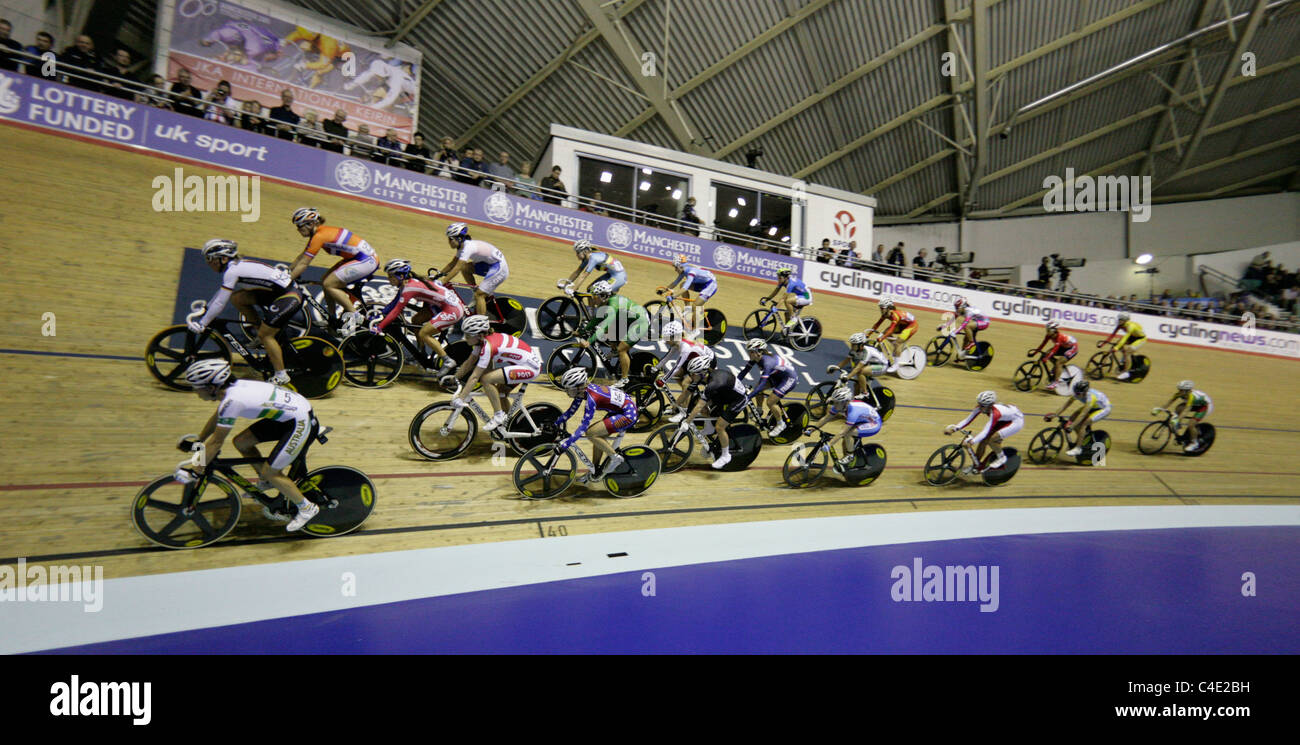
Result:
[
  {"x": 516, "y": 404},
  {"x": 222, "y": 328}
]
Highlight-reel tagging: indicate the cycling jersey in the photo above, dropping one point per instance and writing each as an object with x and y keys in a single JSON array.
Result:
[
  {"x": 868, "y": 355},
  {"x": 796, "y": 286},
  {"x": 776, "y": 371},
  {"x": 1062, "y": 344},
  {"x": 1132, "y": 333},
  {"x": 433, "y": 295},
  {"x": 862, "y": 415},
  {"x": 1004, "y": 419},
  {"x": 338, "y": 241},
  {"x": 602, "y": 261},
  {"x": 624, "y": 316},
  {"x": 255, "y": 399},
  {"x": 897, "y": 319},
  {"x": 480, "y": 252},
  {"x": 621, "y": 408},
  {"x": 723, "y": 389},
  {"x": 686, "y": 351},
  {"x": 975, "y": 316},
  {"x": 504, "y": 350},
  {"x": 266, "y": 282},
  {"x": 1093, "y": 399},
  {"x": 1199, "y": 404},
  {"x": 698, "y": 278}
]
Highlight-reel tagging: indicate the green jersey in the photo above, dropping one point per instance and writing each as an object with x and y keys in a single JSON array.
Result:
[{"x": 620, "y": 319}]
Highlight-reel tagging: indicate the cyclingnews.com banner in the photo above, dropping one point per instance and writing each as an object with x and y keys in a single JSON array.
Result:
[
  {"x": 262, "y": 47},
  {"x": 51, "y": 105},
  {"x": 874, "y": 285}
]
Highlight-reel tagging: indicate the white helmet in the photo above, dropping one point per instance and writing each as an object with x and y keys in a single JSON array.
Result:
[
  {"x": 958, "y": 302},
  {"x": 602, "y": 289},
  {"x": 886, "y": 303},
  {"x": 673, "y": 329},
  {"x": 574, "y": 378},
  {"x": 475, "y": 325},
  {"x": 841, "y": 395},
  {"x": 756, "y": 345},
  {"x": 698, "y": 365},
  {"x": 458, "y": 230},
  {"x": 1185, "y": 385},
  {"x": 1122, "y": 317},
  {"x": 208, "y": 373},
  {"x": 305, "y": 216},
  {"x": 397, "y": 266},
  {"x": 219, "y": 247},
  {"x": 582, "y": 245},
  {"x": 1053, "y": 325},
  {"x": 858, "y": 339},
  {"x": 987, "y": 398}
]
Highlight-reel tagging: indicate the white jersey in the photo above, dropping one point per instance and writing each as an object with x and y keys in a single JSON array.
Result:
[
  {"x": 476, "y": 252},
  {"x": 868, "y": 355},
  {"x": 245, "y": 275},
  {"x": 254, "y": 399},
  {"x": 686, "y": 351}
]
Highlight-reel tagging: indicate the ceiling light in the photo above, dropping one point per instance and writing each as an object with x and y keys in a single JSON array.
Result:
[{"x": 606, "y": 177}]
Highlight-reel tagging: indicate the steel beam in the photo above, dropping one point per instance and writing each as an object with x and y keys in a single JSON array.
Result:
[{"x": 411, "y": 22}]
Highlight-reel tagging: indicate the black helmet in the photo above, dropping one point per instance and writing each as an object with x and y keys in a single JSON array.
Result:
[{"x": 1081, "y": 387}]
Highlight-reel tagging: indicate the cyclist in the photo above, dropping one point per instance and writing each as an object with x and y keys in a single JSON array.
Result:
[
  {"x": 512, "y": 361},
  {"x": 357, "y": 261},
  {"x": 725, "y": 396},
  {"x": 778, "y": 378},
  {"x": 972, "y": 321},
  {"x": 475, "y": 257},
  {"x": 698, "y": 280},
  {"x": 686, "y": 351},
  {"x": 861, "y": 420},
  {"x": 251, "y": 285},
  {"x": 620, "y": 415},
  {"x": 630, "y": 322},
  {"x": 612, "y": 268},
  {"x": 797, "y": 295},
  {"x": 442, "y": 307},
  {"x": 1132, "y": 338},
  {"x": 1093, "y": 407},
  {"x": 902, "y": 325},
  {"x": 860, "y": 363},
  {"x": 279, "y": 415},
  {"x": 1064, "y": 347},
  {"x": 1004, "y": 421},
  {"x": 1198, "y": 405}
]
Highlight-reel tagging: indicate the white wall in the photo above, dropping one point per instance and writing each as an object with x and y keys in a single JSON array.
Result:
[
  {"x": 28, "y": 17},
  {"x": 1022, "y": 240},
  {"x": 925, "y": 235},
  {"x": 1219, "y": 225},
  {"x": 1119, "y": 277}
]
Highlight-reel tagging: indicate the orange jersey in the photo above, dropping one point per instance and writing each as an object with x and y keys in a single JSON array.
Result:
[
  {"x": 897, "y": 319},
  {"x": 338, "y": 241}
]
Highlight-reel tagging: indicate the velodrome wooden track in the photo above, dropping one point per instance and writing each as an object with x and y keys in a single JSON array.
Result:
[{"x": 78, "y": 238}]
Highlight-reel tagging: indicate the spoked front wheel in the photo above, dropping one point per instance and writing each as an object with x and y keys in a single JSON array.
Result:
[
  {"x": 674, "y": 446},
  {"x": 440, "y": 432},
  {"x": 558, "y": 318},
  {"x": 1155, "y": 436},
  {"x": 805, "y": 465},
  {"x": 945, "y": 464},
  {"x": 939, "y": 350},
  {"x": 1027, "y": 376},
  {"x": 371, "y": 360},
  {"x": 174, "y": 349},
  {"x": 1046, "y": 445},
  {"x": 568, "y": 356},
  {"x": 158, "y": 512},
  {"x": 805, "y": 334},
  {"x": 761, "y": 324},
  {"x": 1099, "y": 364},
  {"x": 541, "y": 473}
]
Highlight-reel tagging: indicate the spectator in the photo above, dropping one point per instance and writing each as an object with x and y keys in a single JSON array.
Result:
[
  {"x": 688, "y": 216},
  {"x": 553, "y": 189},
  {"x": 824, "y": 253},
  {"x": 1045, "y": 273},
  {"x": 919, "y": 262},
  {"x": 525, "y": 184},
  {"x": 501, "y": 172},
  {"x": 82, "y": 54},
  {"x": 336, "y": 133},
  {"x": 221, "y": 107},
  {"x": 466, "y": 174},
  {"x": 598, "y": 204},
  {"x": 481, "y": 165},
  {"x": 878, "y": 255},
  {"x": 363, "y": 143},
  {"x": 447, "y": 159},
  {"x": 252, "y": 119},
  {"x": 896, "y": 257},
  {"x": 185, "y": 97},
  {"x": 418, "y": 154},
  {"x": 44, "y": 45},
  {"x": 154, "y": 95},
  {"x": 848, "y": 257},
  {"x": 119, "y": 67},
  {"x": 283, "y": 116},
  {"x": 311, "y": 130},
  {"x": 389, "y": 149},
  {"x": 7, "y": 46}
]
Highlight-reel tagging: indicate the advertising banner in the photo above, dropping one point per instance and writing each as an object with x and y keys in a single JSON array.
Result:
[
  {"x": 873, "y": 286},
  {"x": 842, "y": 222},
  {"x": 262, "y": 48}
]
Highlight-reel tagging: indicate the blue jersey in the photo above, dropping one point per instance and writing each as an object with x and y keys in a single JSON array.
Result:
[
  {"x": 796, "y": 286},
  {"x": 698, "y": 278},
  {"x": 602, "y": 261},
  {"x": 773, "y": 366},
  {"x": 599, "y": 397}
]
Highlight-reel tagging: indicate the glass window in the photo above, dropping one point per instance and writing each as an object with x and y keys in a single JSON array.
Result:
[
  {"x": 660, "y": 193},
  {"x": 603, "y": 181},
  {"x": 735, "y": 210}
]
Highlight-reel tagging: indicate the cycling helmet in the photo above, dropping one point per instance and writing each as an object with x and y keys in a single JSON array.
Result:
[
  {"x": 398, "y": 267},
  {"x": 756, "y": 345},
  {"x": 841, "y": 395},
  {"x": 673, "y": 329},
  {"x": 306, "y": 216},
  {"x": 219, "y": 248},
  {"x": 1185, "y": 385},
  {"x": 1122, "y": 317},
  {"x": 698, "y": 365},
  {"x": 958, "y": 302},
  {"x": 574, "y": 378},
  {"x": 208, "y": 373},
  {"x": 458, "y": 230},
  {"x": 581, "y": 246},
  {"x": 475, "y": 325},
  {"x": 886, "y": 303},
  {"x": 1053, "y": 325},
  {"x": 858, "y": 339},
  {"x": 784, "y": 271},
  {"x": 602, "y": 289},
  {"x": 1081, "y": 387},
  {"x": 679, "y": 261},
  {"x": 987, "y": 398}
]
